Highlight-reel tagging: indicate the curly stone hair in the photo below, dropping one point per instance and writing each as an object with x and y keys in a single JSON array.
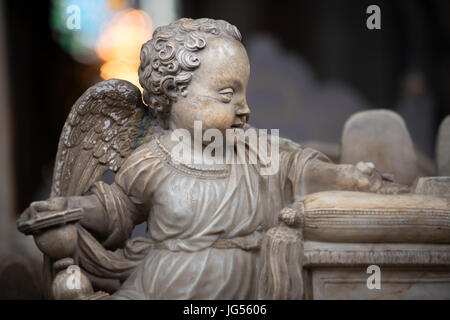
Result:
[{"x": 170, "y": 57}]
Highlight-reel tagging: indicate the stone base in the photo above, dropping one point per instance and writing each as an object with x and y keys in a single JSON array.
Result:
[
  {"x": 407, "y": 271},
  {"x": 395, "y": 283}
]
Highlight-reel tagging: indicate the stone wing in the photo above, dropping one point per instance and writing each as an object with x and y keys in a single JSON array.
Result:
[{"x": 104, "y": 126}]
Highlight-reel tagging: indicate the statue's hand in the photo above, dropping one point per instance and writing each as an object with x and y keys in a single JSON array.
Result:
[
  {"x": 368, "y": 178},
  {"x": 371, "y": 179},
  {"x": 362, "y": 177},
  {"x": 53, "y": 204},
  {"x": 52, "y": 226}
]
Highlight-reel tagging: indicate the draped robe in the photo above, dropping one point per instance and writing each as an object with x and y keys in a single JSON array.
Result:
[{"x": 188, "y": 209}]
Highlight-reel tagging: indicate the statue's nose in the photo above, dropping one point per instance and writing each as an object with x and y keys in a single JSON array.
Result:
[{"x": 243, "y": 109}]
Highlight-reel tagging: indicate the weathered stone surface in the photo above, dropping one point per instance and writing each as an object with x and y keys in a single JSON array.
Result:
[
  {"x": 435, "y": 186},
  {"x": 381, "y": 137},
  {"x": 407, "y": 271},
  {"x": 443, "y": 148},
  {"x": 338, "y": 254},
  {"x": 395, "y": 283}
]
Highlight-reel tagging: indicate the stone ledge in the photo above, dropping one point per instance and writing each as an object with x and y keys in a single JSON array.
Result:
[{"x": 351, "y": 254}]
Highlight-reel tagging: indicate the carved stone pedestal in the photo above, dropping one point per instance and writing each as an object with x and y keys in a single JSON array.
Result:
[{"x": 407, "y": 271}]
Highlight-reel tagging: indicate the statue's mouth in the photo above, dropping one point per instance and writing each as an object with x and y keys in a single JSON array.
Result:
[{"x": 239, "y": 125}]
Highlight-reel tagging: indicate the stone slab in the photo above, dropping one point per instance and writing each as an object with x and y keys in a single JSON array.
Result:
[{"x": 381, "y": 137}]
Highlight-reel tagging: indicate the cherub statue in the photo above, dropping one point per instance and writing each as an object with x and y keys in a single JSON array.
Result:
[{"x": 205, "y": 221}]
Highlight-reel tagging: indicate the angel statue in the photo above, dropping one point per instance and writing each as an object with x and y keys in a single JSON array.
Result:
[{"x": 205, "y": 222}]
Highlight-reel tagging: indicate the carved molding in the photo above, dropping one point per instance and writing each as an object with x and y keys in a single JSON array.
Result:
[{"x": 342, "y": 254}]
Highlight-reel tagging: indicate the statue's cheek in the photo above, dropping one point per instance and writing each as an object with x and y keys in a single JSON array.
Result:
[{"x": 219, "y": 117}]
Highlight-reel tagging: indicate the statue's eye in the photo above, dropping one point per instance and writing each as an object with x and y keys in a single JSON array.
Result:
[{"x": 227, "y": 94}]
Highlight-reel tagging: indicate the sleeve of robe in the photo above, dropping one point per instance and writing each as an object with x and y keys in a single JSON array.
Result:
[
  {"x": 296, "y": 172},
  {"x": 127, "y": 202}
]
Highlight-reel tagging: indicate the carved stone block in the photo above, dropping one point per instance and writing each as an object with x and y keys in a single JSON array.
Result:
[
  {"x": 435, "y": 186},
  {"x": 396, "y": 283},
  {"x": 381, "y": 137}
]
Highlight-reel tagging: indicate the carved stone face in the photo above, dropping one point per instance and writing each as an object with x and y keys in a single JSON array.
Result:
[{"x": 217, "y": 93}]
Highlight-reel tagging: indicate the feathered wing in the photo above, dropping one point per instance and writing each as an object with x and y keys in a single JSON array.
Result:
[{"x": 104, "y": 126}]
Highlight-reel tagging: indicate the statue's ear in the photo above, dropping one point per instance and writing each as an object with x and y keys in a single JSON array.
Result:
[
  {"x": 170, "y": 88},
  {"x": 172, "y": 93}
]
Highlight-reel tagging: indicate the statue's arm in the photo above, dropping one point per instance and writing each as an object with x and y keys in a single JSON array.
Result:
[
  {"x": 325, "y": 176},
  {"x": 308, "y": 171},
  {"x": 95, "y": 218},
  {"x": 110, "y": 211}
]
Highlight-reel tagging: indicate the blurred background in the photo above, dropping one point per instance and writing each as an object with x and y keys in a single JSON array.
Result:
[{"x": 313, "y": 64}]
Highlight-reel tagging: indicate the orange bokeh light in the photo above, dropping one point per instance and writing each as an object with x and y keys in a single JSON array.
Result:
[{"x": 119, "y": 44}]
